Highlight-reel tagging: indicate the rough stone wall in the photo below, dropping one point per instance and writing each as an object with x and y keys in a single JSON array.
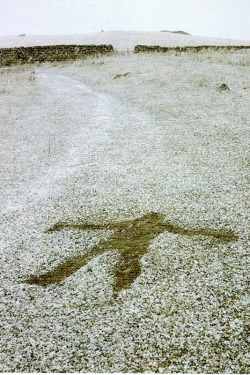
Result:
[
  {"x": 23, "y": 55},
  {"x": 144, "y": 48}
]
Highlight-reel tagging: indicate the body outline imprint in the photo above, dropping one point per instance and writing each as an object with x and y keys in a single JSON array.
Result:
[{"x": 130, "y": 239}]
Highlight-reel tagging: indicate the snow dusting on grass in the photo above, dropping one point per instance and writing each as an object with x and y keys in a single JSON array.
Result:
[{"x": 82, "y": 148}]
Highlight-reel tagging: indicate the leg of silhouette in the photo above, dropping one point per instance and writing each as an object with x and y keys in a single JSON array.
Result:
[
  {"x": 64, "y": 269},
  {"x": 126, "y": 271}
]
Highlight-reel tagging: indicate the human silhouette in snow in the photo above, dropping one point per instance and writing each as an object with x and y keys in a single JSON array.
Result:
[{"x": 130, "y": 238}]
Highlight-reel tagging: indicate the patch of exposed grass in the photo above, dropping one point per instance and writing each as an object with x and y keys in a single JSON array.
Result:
[{"x": 131, "y": 239}]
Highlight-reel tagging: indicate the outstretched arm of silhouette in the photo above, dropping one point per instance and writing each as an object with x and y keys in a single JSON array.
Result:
[
  {"x": 221, "y": 235},
  {"x": 60, "y": 226},
  {"x": 149, "y": 220}
]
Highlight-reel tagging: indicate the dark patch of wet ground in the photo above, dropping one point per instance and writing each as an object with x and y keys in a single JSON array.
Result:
[{"x": 131, "y": 239}]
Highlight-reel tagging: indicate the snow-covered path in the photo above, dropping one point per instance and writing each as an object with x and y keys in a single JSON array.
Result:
[{"x": 78, "y": 128}]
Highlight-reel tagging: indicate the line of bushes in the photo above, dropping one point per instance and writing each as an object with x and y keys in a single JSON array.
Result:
[
  {"x": 23, "y": 55},
  {"x": 145, "y": 48}
]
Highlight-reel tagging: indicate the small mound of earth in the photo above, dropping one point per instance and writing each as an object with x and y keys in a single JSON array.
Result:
[{"x": 223, "y": 87}]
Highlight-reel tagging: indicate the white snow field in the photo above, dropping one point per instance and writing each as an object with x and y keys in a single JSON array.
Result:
[
  {"x": 121, "y": 40},
  {"x": 80, "y": 147}
]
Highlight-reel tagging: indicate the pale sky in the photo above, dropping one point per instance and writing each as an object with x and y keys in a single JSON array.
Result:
[{"x": 212, "y": 18}]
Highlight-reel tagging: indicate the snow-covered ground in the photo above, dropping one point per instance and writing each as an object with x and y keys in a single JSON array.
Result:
[
  {"x": 121, "y": 40},
  {"x": 78, "y": 146}
]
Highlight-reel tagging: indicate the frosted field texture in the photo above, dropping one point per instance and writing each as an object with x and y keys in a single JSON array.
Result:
[{"x": 165, "y": 146}]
